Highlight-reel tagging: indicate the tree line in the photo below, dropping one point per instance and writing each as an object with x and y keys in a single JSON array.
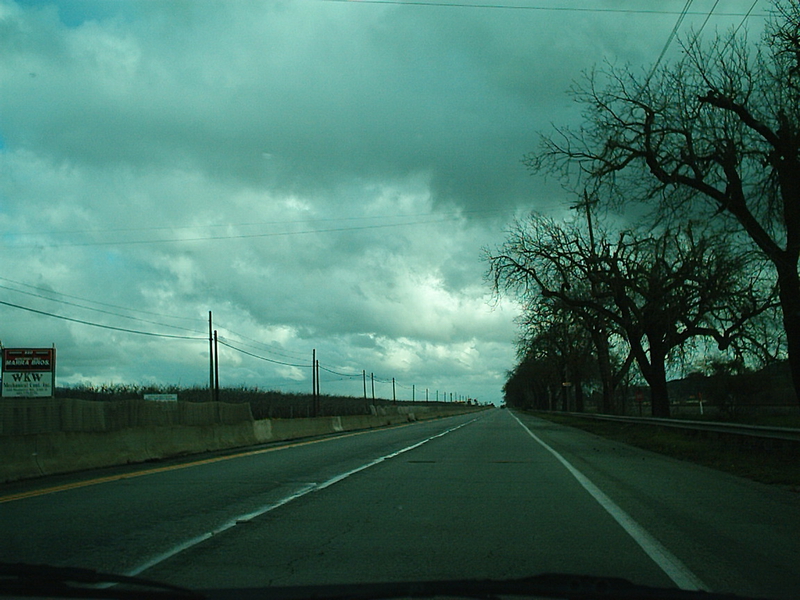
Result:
[{"x": 707, "y": 151}]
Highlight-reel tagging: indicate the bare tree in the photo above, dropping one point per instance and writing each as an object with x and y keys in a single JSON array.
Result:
[
  {"x": 559, "y": 337},
  {"x": 659, "y": 291},
  {"x": 716, "y": 135},
  {"x": 591, "y": 346}
]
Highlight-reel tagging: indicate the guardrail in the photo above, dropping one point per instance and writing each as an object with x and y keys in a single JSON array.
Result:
[{"x": 782, "y": 434}]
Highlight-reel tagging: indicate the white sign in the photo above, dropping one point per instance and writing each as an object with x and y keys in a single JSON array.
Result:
[
  {"x": 27, "y": 384},
  {"x": 162, "y": 397},
  {"x": 28, "y": 372}
]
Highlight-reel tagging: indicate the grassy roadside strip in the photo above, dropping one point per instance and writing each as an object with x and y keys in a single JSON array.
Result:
[{"x": 777, "y": 466}]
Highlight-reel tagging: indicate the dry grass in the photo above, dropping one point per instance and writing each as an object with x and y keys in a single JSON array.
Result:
[{"x": 776, "y": 464}]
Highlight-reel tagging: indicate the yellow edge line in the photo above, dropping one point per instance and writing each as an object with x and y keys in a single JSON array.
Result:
[{"x": 206, "y": 461}]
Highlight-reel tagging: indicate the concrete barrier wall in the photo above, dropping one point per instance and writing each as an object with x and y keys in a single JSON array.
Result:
[
  {"x": 34, "y": 455},
  {"x": 273, "y": 430},
  {"x": 27, "y": 456},
  {"x": 26, "y": 416}
]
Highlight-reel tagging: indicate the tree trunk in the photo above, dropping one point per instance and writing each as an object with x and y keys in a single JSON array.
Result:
[
  {"x": 789, "y": 292},
  {"x": 653, "y": 367},
  {"x": 657, "y": 378},
  {"x": 606, "y": 375}
]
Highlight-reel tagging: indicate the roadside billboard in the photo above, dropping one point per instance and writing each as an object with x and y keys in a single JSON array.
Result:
[{"x": 29, "y": 372}]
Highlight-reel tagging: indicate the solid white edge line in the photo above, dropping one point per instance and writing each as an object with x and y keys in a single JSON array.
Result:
[
  {"x": 668, "y": 562},
  {"x": 312, "y": 487}
]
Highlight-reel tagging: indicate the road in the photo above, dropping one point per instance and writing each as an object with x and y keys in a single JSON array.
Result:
[{"x": 494, "y": 494}]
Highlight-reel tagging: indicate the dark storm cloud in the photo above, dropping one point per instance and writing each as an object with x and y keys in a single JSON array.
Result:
[{"x": 319, "y": 174}]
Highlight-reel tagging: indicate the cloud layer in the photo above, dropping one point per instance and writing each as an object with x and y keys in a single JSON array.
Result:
[{"x": 318, "y": 174}]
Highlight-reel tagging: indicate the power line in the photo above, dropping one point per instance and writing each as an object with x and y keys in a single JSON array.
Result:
[
  {"x": 259, "y": 223},
  {"x": 671, "y": 36},
  {"x": 497, "y": 6},
  {"x": 261, "y": 345},
  {"x": 348, "y": 375},
  {"x": 708, "y": 17},
  {"x": 99, "y": 310},
  {"x": 744, "y": 18},
  {"x": 240, "y": 236},
  {"x": 264, "y": 358},
  {"x": 134, "y": 310},
  {"x": 100, "y": 325}
]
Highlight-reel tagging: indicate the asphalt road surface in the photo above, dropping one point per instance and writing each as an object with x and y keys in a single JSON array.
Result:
[{"x": 496, "y": 494}]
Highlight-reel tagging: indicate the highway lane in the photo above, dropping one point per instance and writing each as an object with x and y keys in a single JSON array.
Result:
[
  {"x": 137, "y": 514},
  {"x": 735, "y": 535},
  {"x": 470, "y": 496}
]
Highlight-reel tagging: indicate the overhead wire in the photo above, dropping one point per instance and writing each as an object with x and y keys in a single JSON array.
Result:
[
  {"x": 87, "y": 300},
  {"x": 708, "y": 18},
  {"x": 523, "y": 7},
  {"x": 348, "y": 375},
  {"x": 264, "y": 358},
  {"x": 696, "y": 36},
  {"x": 434, "y": 219},
  {"x": 253, "y": 343},
  {"x": 262, "y": 346},
  {"x": 163, "y": 335},
  {"x": 745, "y": 17},
  {"x": 309, "y": 219},
  {"x": 344, "y": 376},
  {"x": 99, "y": 310},
  {"x": 157, "y": 334},
  {"x": 671, "y": 37},
  {"x": 100, "y": 325}
]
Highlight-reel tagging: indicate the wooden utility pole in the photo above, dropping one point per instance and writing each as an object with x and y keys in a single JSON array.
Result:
[
  {"x": 210, "y": 358},
  {"x": 314, "y": 382},
  {"x": 216, "y": 368}
]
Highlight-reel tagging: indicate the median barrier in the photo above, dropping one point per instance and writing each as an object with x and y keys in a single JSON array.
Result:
[
  {"x": 20, "y": 457},
  {"x": 33, "y": 455},
  {"x": 275, "y": 430},
  {"x": 63, "y": 452}
]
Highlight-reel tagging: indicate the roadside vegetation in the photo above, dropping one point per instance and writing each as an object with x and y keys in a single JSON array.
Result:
[
  {"x": 264, "y": 404},
  {"x": 772, "y": 464}
]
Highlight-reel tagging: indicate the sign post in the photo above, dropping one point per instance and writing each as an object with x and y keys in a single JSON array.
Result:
[{"x": 29, "y": 372}]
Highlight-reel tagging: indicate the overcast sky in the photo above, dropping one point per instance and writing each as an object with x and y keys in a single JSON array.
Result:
[{"x": 319, "y": 174}]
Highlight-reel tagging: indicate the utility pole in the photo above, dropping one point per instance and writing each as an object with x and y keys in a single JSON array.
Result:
[
  {"x": 372, "y": 377},
  {"x": 414, "y": 393},
  {"x": 394, "y": 395},
  {"x": 210, "y": 359},
  {"x": 587, "y": 204},
  {"x": 314, "y": 382},
  {"x": 216, "y": 368},
  {"x": 317, "y": 407},
  {"x": 364, "y": 377}
]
